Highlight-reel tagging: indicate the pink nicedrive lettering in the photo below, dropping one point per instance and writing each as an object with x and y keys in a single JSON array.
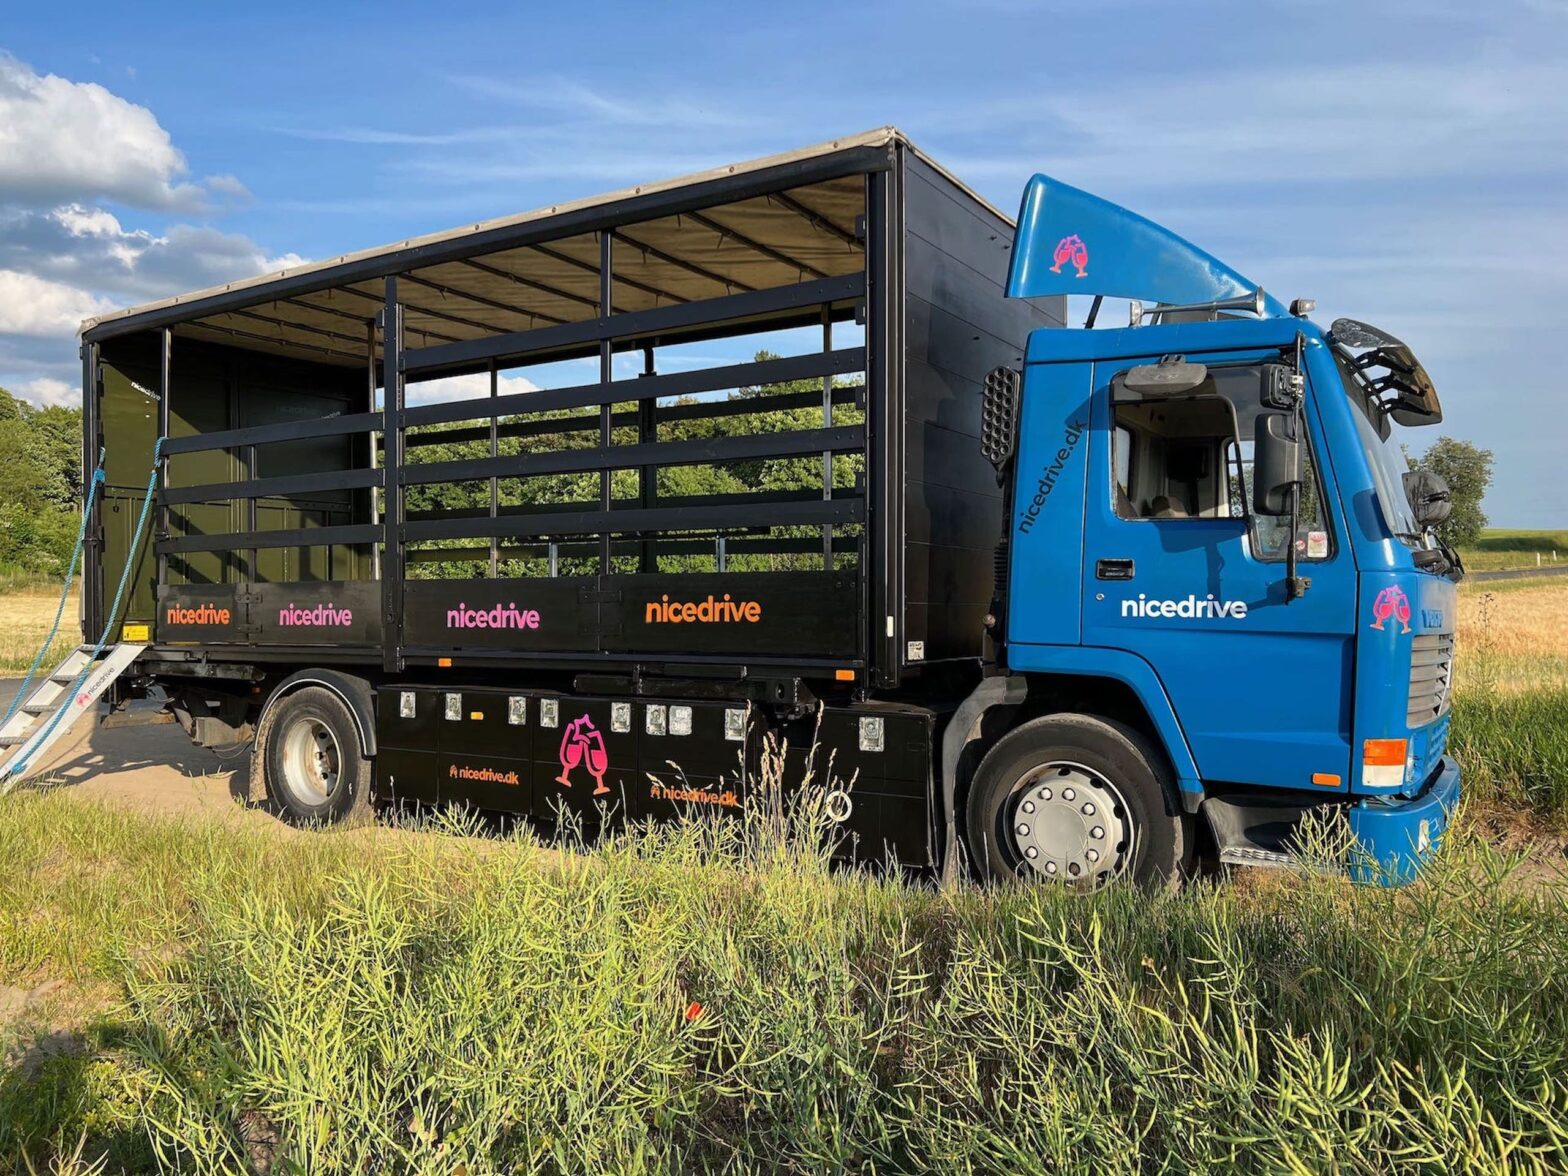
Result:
[
  {"x": 500, "y": 616},
  {"x": 320, "y": 615}
]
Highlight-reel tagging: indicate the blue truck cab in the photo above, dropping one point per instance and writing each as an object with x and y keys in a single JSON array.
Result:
[{"x": 1210, "y": 519}]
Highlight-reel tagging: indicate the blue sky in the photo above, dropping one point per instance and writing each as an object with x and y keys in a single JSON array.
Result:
[{"x": 1401, "y": 162}]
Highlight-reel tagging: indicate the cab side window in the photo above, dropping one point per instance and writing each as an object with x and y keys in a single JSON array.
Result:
[{"x": 1189, "y": 457}]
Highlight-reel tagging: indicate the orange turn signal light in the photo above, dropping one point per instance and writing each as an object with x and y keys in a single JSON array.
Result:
[
  {"x": 444, "y": 662},
  {"x": 844, "y": 675},
  {"x": 1326, "y": 779},
  {"x": 1384, "y": 753}
]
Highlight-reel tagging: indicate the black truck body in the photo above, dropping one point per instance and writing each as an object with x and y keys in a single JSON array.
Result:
[{"x": 681, "y": 551}]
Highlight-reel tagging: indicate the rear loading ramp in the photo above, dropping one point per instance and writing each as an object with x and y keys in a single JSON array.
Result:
[
  {"x": 651, "y": 479},
  {"x": 55, "y": 706}
]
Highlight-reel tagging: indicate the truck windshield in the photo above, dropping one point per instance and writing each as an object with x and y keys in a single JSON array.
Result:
[{"x": 1387, "y": 458}]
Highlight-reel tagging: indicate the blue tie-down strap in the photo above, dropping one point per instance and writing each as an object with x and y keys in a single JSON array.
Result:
[
  {"x": 18, "y": 767},
  {"x": 1396, "y": 837},
  {"x": 93, "y": 487}
]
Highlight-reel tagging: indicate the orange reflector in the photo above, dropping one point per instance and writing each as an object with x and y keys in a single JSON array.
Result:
[
  {"x": 476, "y": 716},
  {"x": 844, "y": 675},
  {"x": 1384, "y": 753},
  {"x": 1327, "y": 779},
  {"x": 443, "y": 662}
]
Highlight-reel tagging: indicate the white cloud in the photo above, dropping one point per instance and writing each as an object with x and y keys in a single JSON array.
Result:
[
  {"x": 65, "y": 140},
  {"x": 474, "y": 386},
  {"x": 46, "y": 391},
  {"x": 30, "y": 305},
  {"x": 68, "y": 152},
  {"x": 87, "y": 247}
]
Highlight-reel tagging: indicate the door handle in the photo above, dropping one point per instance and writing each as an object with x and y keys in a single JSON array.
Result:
[{"x": 1113, "y": 569}]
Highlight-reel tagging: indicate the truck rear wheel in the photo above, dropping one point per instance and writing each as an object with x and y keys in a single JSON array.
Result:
[
  {"x": 312, "y": 767},
  {"x": 1076, "y": 799}
]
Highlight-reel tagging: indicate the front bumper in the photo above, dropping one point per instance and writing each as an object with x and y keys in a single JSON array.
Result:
[{"x": 1395, "y": 837}]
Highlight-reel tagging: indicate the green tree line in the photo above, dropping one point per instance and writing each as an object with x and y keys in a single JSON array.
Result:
[
  {"x": 580, "y": 430},
  {"x": 40, "y": 486}
]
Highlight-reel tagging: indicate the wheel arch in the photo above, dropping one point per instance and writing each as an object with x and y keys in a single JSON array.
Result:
[
  {"x": 355, "y": 694},
  {"x": 1106, "y": 684}
]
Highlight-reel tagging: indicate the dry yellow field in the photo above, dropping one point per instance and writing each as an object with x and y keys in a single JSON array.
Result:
[
  {"x": 1513, "y": 635},
  {"x": 25, "y": 617}
]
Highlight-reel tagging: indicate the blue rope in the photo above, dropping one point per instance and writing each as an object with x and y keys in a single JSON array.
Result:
[
  {"x": 114, "y": 609},
  {"x": 65, "y": 592}
]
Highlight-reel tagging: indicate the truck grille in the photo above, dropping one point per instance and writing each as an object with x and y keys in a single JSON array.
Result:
[{"x": 1431, "y": 677}]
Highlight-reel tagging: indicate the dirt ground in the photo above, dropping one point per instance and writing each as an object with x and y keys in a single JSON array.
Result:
[{"x": 152, "y": 767}]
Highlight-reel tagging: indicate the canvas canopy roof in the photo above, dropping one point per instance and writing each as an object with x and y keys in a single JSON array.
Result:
[{"x": 671, "y": 244}]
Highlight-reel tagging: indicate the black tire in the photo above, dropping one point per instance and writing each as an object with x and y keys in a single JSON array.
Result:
[
  {"x": 1057, "y": 767},
  {"x": 308, "y": 753}
]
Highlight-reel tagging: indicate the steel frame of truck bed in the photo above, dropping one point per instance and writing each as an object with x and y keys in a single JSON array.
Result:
[{"x": 278, "y": 310}]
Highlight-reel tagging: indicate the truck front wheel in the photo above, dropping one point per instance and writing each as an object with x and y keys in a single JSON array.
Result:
[
  {"x": 1076, "y": 799},
  {"x": 308, "y": 750}
]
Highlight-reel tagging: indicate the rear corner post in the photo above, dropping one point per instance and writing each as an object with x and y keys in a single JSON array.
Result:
[
  {"x": 161, "y": 534},
  {"x": 92, "y": 549},
  {"x": 884, "y": 417}
]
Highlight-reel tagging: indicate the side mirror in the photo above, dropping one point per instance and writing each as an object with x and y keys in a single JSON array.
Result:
[
  {"x": 1430, "y": 500},
  {"x": 1276, "y": 463}
]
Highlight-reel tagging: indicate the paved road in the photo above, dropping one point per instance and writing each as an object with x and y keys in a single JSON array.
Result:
[{"x": 1520, "y": 573}]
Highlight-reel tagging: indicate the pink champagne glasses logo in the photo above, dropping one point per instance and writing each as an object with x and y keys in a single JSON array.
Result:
[
  {"x": 1071, "y": 248},
  {"x": 1391, "y": 602},
  {"x": 582, "y": 742}
]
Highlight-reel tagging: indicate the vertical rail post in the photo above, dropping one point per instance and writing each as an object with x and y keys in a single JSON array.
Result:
[
  {"x": 370, "y": 406},
  {"x": 165, "y": 365},
  {"x": 647, "y": 484},
  {"x": 252, "y": 523},
  {"x": 392, "y": 434},
  {"x": 495, "y": 483},
  {"x": 606, "y": 374},
  {"x": 827, "y": 454}
]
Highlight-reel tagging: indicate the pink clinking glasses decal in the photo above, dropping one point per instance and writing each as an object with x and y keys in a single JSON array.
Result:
[
  {"x": 582, "y": 743},
  {"x": 1071, "y": 248}
]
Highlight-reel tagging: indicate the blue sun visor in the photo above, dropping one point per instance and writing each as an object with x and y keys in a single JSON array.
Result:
[{"x": 1070, "y": 242}]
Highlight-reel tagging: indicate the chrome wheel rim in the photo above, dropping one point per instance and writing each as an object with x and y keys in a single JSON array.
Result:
[
  {"x": 312, "y": 761},
  {"x": 1067, "y": 823}
]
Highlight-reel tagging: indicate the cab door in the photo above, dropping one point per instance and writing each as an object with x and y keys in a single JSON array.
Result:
[{"x": 1180, "y": 571}]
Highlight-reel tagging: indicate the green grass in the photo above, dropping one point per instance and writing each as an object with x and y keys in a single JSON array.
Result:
[
  {"x": 393, "y": 1001},
  {"x": 1513, "y": 748},
  {"x": 1500, "y": 548},
  {"x": 14, "y": 579},
  {"x": 1510, "y": 705}
]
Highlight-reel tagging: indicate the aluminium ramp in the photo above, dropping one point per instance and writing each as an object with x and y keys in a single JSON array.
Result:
[{"x": 50, "y": 711}]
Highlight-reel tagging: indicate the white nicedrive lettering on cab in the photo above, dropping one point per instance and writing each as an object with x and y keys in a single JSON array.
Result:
[{"x": 1192, "y": 608}]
